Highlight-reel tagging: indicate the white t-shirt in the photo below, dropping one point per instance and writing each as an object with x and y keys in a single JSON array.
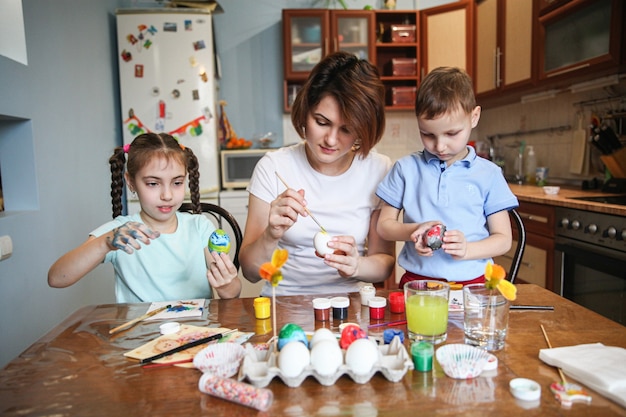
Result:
[
  {"x": 171, "y": 267},
  {"x": 343, "y": 205}
]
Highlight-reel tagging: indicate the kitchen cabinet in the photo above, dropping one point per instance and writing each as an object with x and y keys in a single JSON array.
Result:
[
  {"x": 579, "y": 40},
  {"x": 538, "y": 260},
  {"x": 311, "y": 34},
  {"x": 446, "y": 36},
  {"x": 503, "y": 46},
  {"x": 397, "y": 56}
]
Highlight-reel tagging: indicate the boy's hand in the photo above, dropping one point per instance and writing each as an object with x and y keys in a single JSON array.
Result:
[
  {"x": 454, "y": 244},
  {"x": 418, "y": 237}
]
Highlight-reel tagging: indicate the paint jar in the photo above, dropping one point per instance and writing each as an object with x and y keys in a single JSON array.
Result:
[
  {"x": 367, "y": 292},
  {"x": 377, "y": 308},
  {"x": 422, "y": 354},
  {"x": 321, "y": 307},
  {"x": 262, "y": 307},
  {"x": 396, "y": 302},
  {"x": 263, "y": 326},
  {"x": 340, "y": 307}
]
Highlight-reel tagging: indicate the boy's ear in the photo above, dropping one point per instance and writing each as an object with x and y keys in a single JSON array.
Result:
[{"x": 475, "y": 116}]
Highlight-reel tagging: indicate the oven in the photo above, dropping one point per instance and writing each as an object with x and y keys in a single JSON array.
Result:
[{"x": 591, "y": 261}]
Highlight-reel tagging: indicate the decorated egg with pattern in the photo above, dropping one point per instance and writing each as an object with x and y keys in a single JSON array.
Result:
[
  {"x": 219, "y": 241},
  {"x": 433, "y": 238}
]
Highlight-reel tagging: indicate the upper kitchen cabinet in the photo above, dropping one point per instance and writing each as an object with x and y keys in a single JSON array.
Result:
[
  {"x": 446, "y": 36},
  {"x": 579, "y": 39},
  {"x": 503, "y": 46},
  {"x": 311, "y": 34},
  {"x": 397, "y": 56}
]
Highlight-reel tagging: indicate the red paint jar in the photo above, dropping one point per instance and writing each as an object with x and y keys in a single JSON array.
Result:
[
  {"x": 396, "y": 302},
  {"x": 321, "y": 307},
  {"x": 377, "y": 308}
]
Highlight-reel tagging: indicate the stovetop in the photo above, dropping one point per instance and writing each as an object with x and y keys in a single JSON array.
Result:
[
  {"x": 604, "y": 230},
  {"x": 619, "y": 200}
]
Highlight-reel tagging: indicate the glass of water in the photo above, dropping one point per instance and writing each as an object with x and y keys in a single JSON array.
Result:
[{"x": 486, "y": 320}]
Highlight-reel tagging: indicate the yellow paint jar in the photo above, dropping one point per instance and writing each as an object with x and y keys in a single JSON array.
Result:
[{"x": 262, "y": 307}]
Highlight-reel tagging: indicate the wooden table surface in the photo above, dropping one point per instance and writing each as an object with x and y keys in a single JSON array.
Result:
[{"x": 78, "y": 369}]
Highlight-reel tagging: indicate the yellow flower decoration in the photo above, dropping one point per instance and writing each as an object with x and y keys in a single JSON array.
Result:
[
  {"x": 270, "y": 271},
  {"x": 495, "y": 278}
]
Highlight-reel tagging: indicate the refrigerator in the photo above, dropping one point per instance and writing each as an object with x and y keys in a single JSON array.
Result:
[{"x": 166, "y": 76}]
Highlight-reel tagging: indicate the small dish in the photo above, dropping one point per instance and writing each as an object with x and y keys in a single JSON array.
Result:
[
  {"x": 222, "y": 359},
  {"x": 461, "y": 361},
  {"x": 525, "y": 389},
  {"x": 551, "y": 190}
]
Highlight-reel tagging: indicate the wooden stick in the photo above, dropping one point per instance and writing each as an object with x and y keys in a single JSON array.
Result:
[
  {"x": 138, "y": 319},
  {"x": 305, "y": 208},
  {"x": 545, "y": 335}
]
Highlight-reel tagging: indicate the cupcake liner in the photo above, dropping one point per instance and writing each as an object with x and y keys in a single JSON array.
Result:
[
  {"x": 462, "y": 361},
  {"x": 221, "y": 359}
]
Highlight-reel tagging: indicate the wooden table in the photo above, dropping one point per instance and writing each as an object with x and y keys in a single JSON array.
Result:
[{"x": 78, "y": 369}]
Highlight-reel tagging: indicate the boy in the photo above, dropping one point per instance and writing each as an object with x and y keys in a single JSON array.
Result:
[{"x": 446, "y": 181}]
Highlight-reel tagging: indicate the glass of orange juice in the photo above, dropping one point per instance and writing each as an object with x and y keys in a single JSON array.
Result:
[{"x": 427, "y": 310}]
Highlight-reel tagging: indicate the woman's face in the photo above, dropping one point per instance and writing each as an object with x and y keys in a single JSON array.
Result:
[
  {"x": 328, "y": 139},
  {"x": 160, "y": 186}
]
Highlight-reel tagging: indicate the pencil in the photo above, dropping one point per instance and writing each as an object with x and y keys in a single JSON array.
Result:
[
  {"x": 305, "y": 209},
  {"x": 186, "y": 346},
  {"x": 138, "y": 319}
]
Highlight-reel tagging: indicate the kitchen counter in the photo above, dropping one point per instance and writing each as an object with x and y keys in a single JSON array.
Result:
[{"x": 565, "y": 198}]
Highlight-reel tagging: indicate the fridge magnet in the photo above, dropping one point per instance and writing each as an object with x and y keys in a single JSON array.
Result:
[
  {"x": 159, "y": 125},
  {"x": 147, "y": 44},
  {"x": 169, "y": 27},
  {"x": 131, "y": 38},
  {"x": 152, "y": 30},
  {"x": 197, "y": 45},
  {"x": 180, "y": 81},
  {"x": 175, "y": 93},
  {"x": 193, "y": 62},
  {"x": 204, "y": 77},
  {"x": 207, "y": 114},
  {"x": 126, "y": 56},
  {"x": 195, "y": 95},
  {"x": 138, "y": 71},
  {"x": 142, "y": 27},
  {"x": 188, "y": 25},
  {"x": 161, "y": 109},
  {"x": 156, "y": 91},
  {"x": 140, "y": 36}
]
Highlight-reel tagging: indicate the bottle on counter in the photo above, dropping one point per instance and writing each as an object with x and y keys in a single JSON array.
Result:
[{"x": 531, "y": 166}]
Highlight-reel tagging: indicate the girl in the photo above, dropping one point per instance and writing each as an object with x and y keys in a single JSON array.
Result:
[{"x": 159, "y": 253}]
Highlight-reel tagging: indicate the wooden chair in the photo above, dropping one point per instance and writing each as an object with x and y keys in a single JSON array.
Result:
[
  {"x": 521, "y": 245},
  {"x": 221, "y": 218}
]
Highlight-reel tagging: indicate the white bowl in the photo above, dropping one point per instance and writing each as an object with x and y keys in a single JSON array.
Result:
[{"x": 551, "y": 190}]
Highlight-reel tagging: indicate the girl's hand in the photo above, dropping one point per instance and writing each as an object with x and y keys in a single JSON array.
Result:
[
  {"x": 284, "y": 211},
  {"x": 127, "y": 237},
  {"x": 220, "y": 270},
  {"x": 454, "y": 244},
  {"x": 418, "y": 238},
  {"x": 345, "y": 258}
]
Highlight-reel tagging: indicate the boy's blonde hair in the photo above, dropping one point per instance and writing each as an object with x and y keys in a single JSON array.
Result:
[{"x": 444, "y": 89}]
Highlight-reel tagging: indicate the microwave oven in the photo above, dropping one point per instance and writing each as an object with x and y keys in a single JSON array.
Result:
[{"x": 237, "y": 166}]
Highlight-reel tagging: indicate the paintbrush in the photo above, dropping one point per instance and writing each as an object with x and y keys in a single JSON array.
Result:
[
  {"x": 305, "y": 209},
  {"x": 138, "y": 319},
  {"x": 387, "y": 323},
  {"x": 187, "y": 346}
]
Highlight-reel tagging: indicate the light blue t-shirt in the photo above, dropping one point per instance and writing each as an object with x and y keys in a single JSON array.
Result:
[
  {"x": 462, "y": 196},
  {"x": 171, "y": 267}
]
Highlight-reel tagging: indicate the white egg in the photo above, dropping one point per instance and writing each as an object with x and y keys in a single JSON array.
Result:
[
  {"x": 322, "y": 334},
  {"x": 361, "y": 356},
  {"x": 320, "y": 242},
  {"x": 293, "y": 358},
  {"x": 326, "y": 357}
]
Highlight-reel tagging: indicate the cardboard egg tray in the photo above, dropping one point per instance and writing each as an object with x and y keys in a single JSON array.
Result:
[{"x": 260, "y": 367}]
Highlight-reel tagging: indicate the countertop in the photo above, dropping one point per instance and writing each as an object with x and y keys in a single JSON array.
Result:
[{"x": 565, "y": 198}]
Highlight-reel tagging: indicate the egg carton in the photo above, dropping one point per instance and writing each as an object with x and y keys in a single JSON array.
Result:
[{"x": 260, "y": 367}]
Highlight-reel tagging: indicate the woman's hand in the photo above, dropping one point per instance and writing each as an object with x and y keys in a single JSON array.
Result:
[
  {"x": 284, "y": 211},
  {"x": 127, "y": 237},
  {"x": 345, "y": 257}
]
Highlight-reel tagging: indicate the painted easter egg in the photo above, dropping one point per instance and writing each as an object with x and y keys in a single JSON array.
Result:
[
  {"x": 291, "y": 332},
  {"x": 219, "y": 241},
  {"x": 434, "y": 236}
]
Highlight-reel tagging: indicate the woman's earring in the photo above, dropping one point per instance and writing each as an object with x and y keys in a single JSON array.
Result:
[{"x": 357, "y": 145}]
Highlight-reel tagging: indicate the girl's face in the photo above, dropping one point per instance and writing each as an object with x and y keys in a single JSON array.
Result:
[
  {"x": 328, "y": 139},
  {"x": 160, "y": 186},
  {"x": 446, "y": 136}
]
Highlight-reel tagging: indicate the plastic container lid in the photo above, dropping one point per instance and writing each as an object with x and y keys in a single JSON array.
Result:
[
  {"x": 321, "y": 303},
  {"x": 169, "y": 327},
  {"x": 340, "y": 302},
  {"x": 378, "y": 302},
  {"x": 525, "y": 389}
]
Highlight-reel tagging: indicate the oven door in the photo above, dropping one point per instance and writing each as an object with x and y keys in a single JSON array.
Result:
[{"x": 592, "y": 276}]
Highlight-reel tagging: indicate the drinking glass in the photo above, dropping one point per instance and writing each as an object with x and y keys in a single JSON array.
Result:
[
  {"x": 486, "y": 319},
  {"x": 427, "y": 310}
]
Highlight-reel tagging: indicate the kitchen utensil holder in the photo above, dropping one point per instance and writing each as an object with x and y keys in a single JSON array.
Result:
[{"x": 616, "y": 163}]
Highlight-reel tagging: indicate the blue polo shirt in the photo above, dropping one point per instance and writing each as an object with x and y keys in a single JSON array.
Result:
[{"x": 462, "y": 196}]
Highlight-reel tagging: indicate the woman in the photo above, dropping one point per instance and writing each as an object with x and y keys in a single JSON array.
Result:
[{"x": 334, "y": 172}]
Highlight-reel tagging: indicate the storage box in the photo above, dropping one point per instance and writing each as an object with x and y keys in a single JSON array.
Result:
[
  {"x": 403, "y": 33},
  {"x": 403, "y": 96},
  {"x": 403, "y": 66}
]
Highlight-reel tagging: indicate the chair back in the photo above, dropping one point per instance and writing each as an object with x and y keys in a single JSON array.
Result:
[
  {"x": 222, "y": 218},
  {"x": 521, "y": 245}
]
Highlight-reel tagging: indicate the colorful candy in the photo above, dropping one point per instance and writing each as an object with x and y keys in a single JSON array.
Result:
[{"x": 235, "y": 391}]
